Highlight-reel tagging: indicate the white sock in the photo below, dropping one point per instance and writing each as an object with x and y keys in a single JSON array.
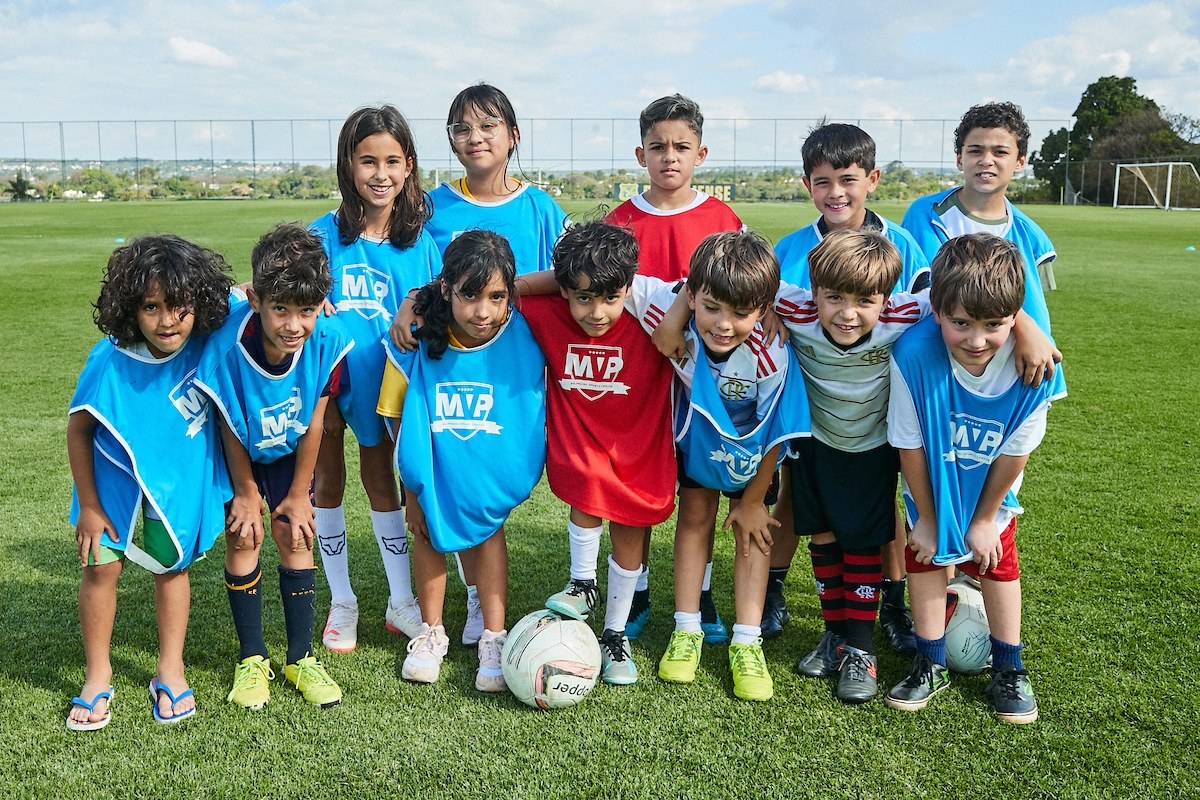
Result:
[
  {"x": 685, "y": 621},
  {"x": 745, "y": 634},
  {"x": 393, "y": 547},
  {"x": 331, "y": 536},
  {"x": 707, "y": 577},
  {"x": 643, "y": 581},
  {"x": 621, "y": 583},
  {"x": 585, "y": 549}
]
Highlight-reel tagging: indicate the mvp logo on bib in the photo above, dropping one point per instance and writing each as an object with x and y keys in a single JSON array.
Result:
[
  {"x": 740, "y": 463},
  {"x": 462, "y": 408},
  {"x": 363, "y": 290},
  {"x": 279, "y": 419},
  {"x": 974, "y": 442},
  {"x": 191, "y": 403},
  {"x": 592, "y": 370}
]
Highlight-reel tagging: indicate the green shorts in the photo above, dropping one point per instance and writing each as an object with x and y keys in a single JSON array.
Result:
[{"x": 155, "y": 541}]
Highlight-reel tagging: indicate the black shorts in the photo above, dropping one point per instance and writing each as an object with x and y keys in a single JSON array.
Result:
[
  {"x": 851, "y": 494},
  {"x": 687, "y": 483},
  {"x": 275, "y": 479}
]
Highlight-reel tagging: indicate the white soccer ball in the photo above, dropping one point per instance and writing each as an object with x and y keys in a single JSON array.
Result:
[
  {"x": 550, "y": 661},
  {"x": 968, "y": 642}
]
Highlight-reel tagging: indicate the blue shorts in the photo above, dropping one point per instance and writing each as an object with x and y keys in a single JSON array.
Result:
[{"x": 275, "y": 479}]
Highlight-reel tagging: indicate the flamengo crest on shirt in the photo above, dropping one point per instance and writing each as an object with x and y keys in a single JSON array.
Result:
[
  {"x": 191, "y": 403},
  {"x": 279, "y": 419},
  {"x": 364, "y": 289},
  {"x": 592, "y": 369},
  {"x": 740, "y": 463},
  {"x": 462, "y": 407},
  {"x": 974, "y": 441}
]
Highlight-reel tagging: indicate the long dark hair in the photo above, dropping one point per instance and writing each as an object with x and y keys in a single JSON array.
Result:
[
  {"x": 490, "y": 101},
  {"x": 471, "y": 260},
  {"x": 411, "y": 209}
]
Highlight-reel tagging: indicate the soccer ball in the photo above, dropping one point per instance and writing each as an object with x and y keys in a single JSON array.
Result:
[
  {"x": 550, "y": 661},
  {"x": 968, "y": 642}
]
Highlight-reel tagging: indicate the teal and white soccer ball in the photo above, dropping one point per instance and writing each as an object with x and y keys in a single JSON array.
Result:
[
  {"x": 550, "y": 661},
  {"x": 968, "y": 637}
]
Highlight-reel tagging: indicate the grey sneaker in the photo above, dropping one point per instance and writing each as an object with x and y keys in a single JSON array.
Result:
[
  {"x": 577, "y": 601},
  {"x": 490, "y": 676},
  {"x": 616, "y": 659},
  {"x": 1012, "y": 695},
  {"x": 823, "y": 661},
  {"x": 857, "y": 682},
  {"x": 473, "y": 627},
  {"x": 924, "y": 680}
]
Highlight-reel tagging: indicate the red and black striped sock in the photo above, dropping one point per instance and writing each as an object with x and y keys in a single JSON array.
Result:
[
  {"x": 827, "y": 570},
  {"x": 862, "y": 580}
]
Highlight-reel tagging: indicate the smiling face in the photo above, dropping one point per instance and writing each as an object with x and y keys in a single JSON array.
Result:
[
  {"x": 989, "y": 158},
  {"x": 165, "y": 329},
  {"x": 595, "y": 312},
  {"x": 721, "y": 326},
  {"x": 487, "y": 146},
  {"x": 846, "y": 316},
  {"x": 973, "y": 342},
  {"x": 380, "y": 169},
  {"x": 478, "y": 316},
  {"x": 286, "y": 325},
  {"x": 840, "y": 194},
  {"x": 670, "y": 152}
]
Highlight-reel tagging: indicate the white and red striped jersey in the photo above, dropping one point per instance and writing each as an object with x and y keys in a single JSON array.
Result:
[{"x": 847, "y": 386}]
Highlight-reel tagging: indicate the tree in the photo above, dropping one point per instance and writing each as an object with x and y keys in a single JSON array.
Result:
[
  {"x": 20, "y": 188},
  {"x": 1102, "y": 104}
]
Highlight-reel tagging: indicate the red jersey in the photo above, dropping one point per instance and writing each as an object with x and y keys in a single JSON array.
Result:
[
  {"x": 608, "y": 416},
  {"x": 666, "y": 239}
]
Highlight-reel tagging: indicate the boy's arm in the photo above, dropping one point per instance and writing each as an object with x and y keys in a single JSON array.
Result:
[
  {"x": 296, "y": 510},
  {"x": 668, "y": 336},
  {"x": 93, "y": 522},
  {"x": 983, "y": 536},
  {"x": 750, "y": 520},
  {"x": 247, "y": 507},
  {"x": 541, "y": 282},
  {"x": 401, "y": 330},
  {"x": 923, "y": 538},
  {"x": 1033, "y": 351}
]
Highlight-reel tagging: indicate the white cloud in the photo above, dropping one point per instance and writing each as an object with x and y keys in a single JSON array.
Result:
[
  {"x": 790, "y": 82},
  {"x": 190, "y": 52}
]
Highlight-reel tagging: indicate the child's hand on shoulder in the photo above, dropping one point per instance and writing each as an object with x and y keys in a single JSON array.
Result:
[
  {"x": 93, "y": 523},
  {"x": 244, "y": 522},
  {"x": 670, "y": 342},
  {"x": 1034, "y": 354},
  {"x": 983, "y": 537},
  {"x": 402, "y": 328},
  {"x": 923, "y": 540},
  {"x": 297, "y": 513},
  {"x": 773, "y": 328},
  {"x": 751, "y": 523},
  {"x": 328, "y": 307}
]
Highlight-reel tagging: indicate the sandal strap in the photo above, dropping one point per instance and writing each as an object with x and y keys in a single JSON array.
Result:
[{"x": 79, "y": 701}]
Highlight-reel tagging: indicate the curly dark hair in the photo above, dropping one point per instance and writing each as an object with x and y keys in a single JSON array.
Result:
[
  {"x": 994, "y": 115},
  {"x": 290, "y": 264},
  {"x": 191, "y": 277},
  {"x": 606, "y": 254},
  {"x": 411, "y": 209},
  {"x": 469, "y": 260}
]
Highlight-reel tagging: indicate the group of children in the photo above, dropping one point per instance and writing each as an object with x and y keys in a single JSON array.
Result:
[{"x": 470, "y": 338}]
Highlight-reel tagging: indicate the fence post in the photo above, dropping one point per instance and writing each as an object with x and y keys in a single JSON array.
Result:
[
  {"x": 175, "y": 136},
  {"x": 62, "y": 154},
  {"x": 253, "y": 161},
  {"x": 900, "y": 157},
  {"x": 1167, "y": 196},
  {"x": 942, "y": 152},
  {"x": 292, "y": 131},
  {"x": 212, "y": 158},
  {"x": 1066, "y": 167},
  {"x": 99, "y": 145},
  {"x": 1116, "y": 183},
  {"x": 24, "y": 152},
  {"x": 137, "y": 163}
]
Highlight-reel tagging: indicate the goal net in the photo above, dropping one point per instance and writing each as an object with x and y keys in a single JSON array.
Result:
[{"x": 1164, "y": 184}]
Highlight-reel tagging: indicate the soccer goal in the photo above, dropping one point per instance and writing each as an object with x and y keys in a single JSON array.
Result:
[{"x": 1164, "y": 184}]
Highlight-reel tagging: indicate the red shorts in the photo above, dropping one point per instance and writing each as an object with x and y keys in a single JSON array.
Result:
[{"x": 1007, "y": 570}]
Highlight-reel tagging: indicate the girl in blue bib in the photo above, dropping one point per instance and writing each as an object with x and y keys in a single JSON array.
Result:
[
  {"x": 142, "y": 443},
  {"x": 378, "y": 250},
  {"x": 472, "y": 422}
]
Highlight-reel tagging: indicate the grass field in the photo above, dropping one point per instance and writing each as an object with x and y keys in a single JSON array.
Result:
[{"x": 1109, "y": 548}]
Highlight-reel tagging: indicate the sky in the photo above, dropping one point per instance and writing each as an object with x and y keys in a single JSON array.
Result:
[{"x": 87, "y": 60}]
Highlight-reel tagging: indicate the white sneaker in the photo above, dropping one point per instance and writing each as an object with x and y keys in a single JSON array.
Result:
[
  {"x": 473, "y": 629},
  {"x": 490, "y": 677},
  {"x": 423, "y": 663},
  {"x": 341, "y": 628},
  {"x": 404, "y": 618}
]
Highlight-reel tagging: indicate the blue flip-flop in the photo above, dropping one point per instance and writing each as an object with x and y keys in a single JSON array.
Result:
[
  {"x": 88, "y": 725},
  {"x": 155, "y": 688}
]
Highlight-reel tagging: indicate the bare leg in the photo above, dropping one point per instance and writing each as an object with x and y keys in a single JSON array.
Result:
[
  {"x": 786, "y": 540},
  {"x": 97, "y": 610},
  {"x": 697, "y": 512},
  {"x": 378, "y": 478},
  {"x": 1002, "y": 601},
  {"x": 429, "y": 571},
  {"x": 626, "y": 545},
  {"x": 750, "y": 573},
  {"x": 172, "y": 601},
  {"x": 927, "y": 593},
  {"x": 489, "y": 562},
  {"x": 329, "y": 479}
]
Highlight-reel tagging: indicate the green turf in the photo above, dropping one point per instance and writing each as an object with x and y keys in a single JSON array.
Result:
[{"x": 1109, "y": 546}]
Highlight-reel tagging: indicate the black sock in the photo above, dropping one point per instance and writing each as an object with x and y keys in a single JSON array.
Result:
[
  {"x": 708, "y": 611},
  {"x": 641, "y": 601},
  {"x": 827, "y": 570},
  {"x": 861, "y": 579},
  {"x": 245, "y": 601},
  {"x": 893, "y": 593},
  {"x": 298, "y": 588},
  {"x": 775, "y": 579}
]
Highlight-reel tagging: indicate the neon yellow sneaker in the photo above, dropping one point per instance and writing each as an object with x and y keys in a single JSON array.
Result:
[
  {"x": 679, "y": 663},
  {"x": 312, "y": 681},
  {"x": 751, "y": 681},
  {"x": 251, "y": 683}
]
